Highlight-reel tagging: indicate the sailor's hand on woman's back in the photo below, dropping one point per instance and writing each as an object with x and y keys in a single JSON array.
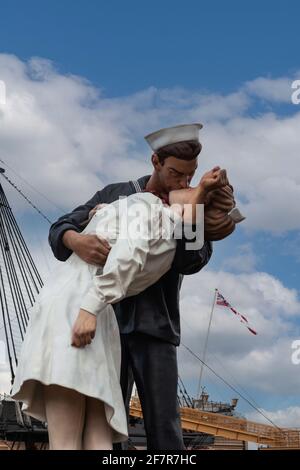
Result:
[
  {"x": 90, "y": 248},
  {"x": 84, "y": 329}
]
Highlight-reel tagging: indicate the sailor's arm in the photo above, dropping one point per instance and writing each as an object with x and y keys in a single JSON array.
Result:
[{"x": 65, "y": 234}]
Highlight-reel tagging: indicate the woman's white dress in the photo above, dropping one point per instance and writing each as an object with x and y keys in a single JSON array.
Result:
[{"x": 47, "y": 356}]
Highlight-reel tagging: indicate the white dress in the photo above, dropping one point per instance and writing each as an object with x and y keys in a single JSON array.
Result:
[{"x": 134, "y": 263}]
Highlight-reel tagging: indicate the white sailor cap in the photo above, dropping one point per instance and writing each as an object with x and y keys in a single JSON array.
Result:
[{"x": 173, "y": 135}]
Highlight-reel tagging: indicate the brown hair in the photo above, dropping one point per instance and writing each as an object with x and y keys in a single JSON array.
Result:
[{"x": 187, "y": 150}]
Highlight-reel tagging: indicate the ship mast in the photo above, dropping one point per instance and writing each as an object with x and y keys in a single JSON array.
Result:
[{"x": 20, "y": 281}]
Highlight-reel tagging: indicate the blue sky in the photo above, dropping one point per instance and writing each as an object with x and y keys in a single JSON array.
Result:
[
  {"x": 127, "y": 46},
  {"x": 150, "y": 65}
]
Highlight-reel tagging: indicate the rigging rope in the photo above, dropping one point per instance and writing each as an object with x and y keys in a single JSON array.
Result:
[
  {"x": 32, "y": 187},
  {"x": 25, "y": 197},
  {"x": 230, "y": 386}
]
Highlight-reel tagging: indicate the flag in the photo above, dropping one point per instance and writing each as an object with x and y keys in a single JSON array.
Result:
[{"x": 222, "y": 302}]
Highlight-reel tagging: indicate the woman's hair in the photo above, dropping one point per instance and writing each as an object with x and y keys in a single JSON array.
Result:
[{"x": 187, "y": 150}]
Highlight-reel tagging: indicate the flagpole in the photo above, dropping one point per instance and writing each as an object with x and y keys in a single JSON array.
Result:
[{"x": 206, "y": 342}]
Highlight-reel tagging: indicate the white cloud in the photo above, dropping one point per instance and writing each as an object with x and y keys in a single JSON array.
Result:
[
  {"x": 262, "y": 157},
  {"x": 68, "y": 140},
  {"x": 271, "y": 89},
  {"x": 5, "y": 379},
  {"x": 2, "y": 353},
  {"x": 287, "y": 417},
  {"x": 261, "y": 362}
]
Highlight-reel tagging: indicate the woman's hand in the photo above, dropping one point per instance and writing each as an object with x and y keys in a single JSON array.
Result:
[
  {"x": 84, "y": 329},
  {"x": 214, "y": 179}
]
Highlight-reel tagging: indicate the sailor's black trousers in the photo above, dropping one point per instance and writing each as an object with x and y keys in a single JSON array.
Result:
[{"x": 152, "y": 364}]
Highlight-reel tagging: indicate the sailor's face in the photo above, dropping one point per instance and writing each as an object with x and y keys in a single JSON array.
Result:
[{"x": 175, "y": 173}]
